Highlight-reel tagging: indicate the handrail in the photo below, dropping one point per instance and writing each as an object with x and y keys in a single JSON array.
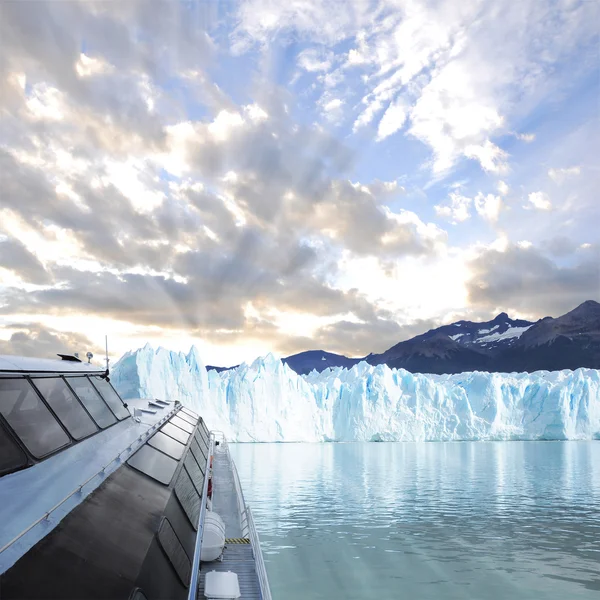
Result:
[
  {"x": 261, "y": 570},
  {"x": 249, "y": 528},
  {"x": 193, "y": 589},
  {"x": 144, "y": 436}
]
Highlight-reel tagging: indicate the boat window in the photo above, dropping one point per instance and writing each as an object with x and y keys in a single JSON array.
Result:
[
  {"x": 30, "y": 418},
  {"x": 92, "y": 400},
  {"x": 176, "y": 432},
  {"x": 199, "y": 455},
  {"x": 182, "y": 424},
  {"x": 186, "y": 417},
  {"x": 153, "y": 463},
  {"x": 205, "y": 428},
  {"x": 194, "y": 472},
  {"x": 188, "y": 497},
  {"x": 191, "y": 413},
  {"x": 174, "y": 550},
  {"x": 167, "y": 444},
  {"x": 11, "y": 456},
  {"x": 66, "y": 407},
  {"x": 111, "y": 397},
  {"x": 202, "y": 441}
]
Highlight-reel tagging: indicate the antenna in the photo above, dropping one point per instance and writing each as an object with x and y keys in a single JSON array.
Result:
[{"x": 106, "y": 344}]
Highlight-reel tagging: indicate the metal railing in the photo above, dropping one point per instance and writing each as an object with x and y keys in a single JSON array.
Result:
[
  {"x": 138, "y": 442},
  {"x": 249, "y": 528},
  {"x": 193, "y": 589},
  {"x": 261, "y": 570}
]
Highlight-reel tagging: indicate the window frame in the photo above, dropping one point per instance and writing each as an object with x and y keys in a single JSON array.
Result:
[
  {"x": 13, "y": 431},
  {"x": 90, "y": 378},
  {"x": 100, "y": 428},
  {"x": 31, "y": 377},
  {"x": 77, "y": 399}
]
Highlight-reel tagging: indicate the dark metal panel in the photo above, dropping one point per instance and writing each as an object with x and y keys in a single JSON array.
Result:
[
  {"x": 166, "y": 444},
  {"x": 174, "y": 550},
  {"x": 97, "y": 551},
  {"x": 176, "y": 433},
  {"x": 183, "y": 415},
  {"x": 194, "y": 472},
  {"x": 188, "y": 497},
  {"x": 158, "y": 578},
  {"x": 154, "y": 463},
  {"x": 182, "y": 424},
  {"x": 198, "y": 454},
  {"x": 190, "y": 412}
]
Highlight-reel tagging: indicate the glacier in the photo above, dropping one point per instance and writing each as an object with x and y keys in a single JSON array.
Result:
[{"x": 266, "y": 401}]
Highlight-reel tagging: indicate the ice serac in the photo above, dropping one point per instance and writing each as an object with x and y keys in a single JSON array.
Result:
[{"x": 266, "y": 401}]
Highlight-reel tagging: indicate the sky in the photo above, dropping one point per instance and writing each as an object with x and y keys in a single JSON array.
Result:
[{"x": 266, "y": 176}]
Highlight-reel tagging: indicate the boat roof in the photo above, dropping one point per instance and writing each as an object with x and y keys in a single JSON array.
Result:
[
  {"x": 27, "y": 495},
  {"x": 27, "y": 364}
]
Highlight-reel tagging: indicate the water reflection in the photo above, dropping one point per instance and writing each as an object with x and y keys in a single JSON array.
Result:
[{"x": 431, "y": 520}]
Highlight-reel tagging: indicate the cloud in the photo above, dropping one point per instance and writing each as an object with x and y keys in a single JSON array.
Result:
[
  {"x": 488, "y": 206},
  {"x": 539, "y": 200},
  {"x": 559, "y": 176},
  {"x": 34, "y": 339},
  {"x": 458, "y": 210},
  {"x": 524, "y": 280},
  {"x": 313, "y": 60},
  {"x": 392, "y": 121},
  {"x": 15, "y": 257},
  {"x": 503, "y": 188},
  {"x": 458, "y": 73}
]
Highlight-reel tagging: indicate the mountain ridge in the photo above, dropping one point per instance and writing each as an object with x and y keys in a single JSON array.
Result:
[{"x": 502, "y": 344}]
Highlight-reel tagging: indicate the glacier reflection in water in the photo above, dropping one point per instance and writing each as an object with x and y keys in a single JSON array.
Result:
[{"x": 477, "y": 520}]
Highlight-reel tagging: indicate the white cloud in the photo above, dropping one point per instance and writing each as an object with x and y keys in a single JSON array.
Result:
[
  {"x": 491, "y": 158},
  {"x": 459, "y": 69},
  {"x": 525, "y": 137},
  {"x": 540, "y": 200},
  {"x": 559, "y": 176},
  {"x": 503, "y": 188},
  {"x": 392, "y": 120},
  {"x": 312, "y": 60},
  {"x": 333, "y": 104},
  {"x": 457, "y": 211},
  {"x": 488, "y": 206}
]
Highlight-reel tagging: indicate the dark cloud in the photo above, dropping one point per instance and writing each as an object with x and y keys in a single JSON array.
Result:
[
  {"x": 33, "y": 339},
  {"x": 15, "y": 257},
  {"x": 525, "y": 280}
]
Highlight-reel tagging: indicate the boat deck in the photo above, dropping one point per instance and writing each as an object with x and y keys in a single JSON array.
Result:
[{"x": 238, "y": 556}]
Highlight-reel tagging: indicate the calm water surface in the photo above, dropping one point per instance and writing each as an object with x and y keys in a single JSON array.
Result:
[{"x": 432, "y": 520}]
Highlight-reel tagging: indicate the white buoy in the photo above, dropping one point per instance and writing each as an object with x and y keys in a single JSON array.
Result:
[{"x": 213, "y": 537}]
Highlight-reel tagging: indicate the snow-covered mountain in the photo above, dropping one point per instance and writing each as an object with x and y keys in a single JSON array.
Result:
[
  {"x": 502, "y": 344},
  {"x": 267, "y": 401}
]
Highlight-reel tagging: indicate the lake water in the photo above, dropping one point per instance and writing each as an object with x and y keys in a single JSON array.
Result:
[{"x": 474, "y": 520}]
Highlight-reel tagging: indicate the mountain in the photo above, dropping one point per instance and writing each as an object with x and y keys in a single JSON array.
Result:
[
  {"x": 461, "y": 346},
  {"x": 267, "y": 401},
  {"x": 502, "y": 344},
  {"x": 567, "y": 342},
  {"x": 318, "y": 360}
]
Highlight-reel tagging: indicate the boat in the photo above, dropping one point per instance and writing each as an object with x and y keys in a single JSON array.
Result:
[{"x": 102, "y": 498}]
